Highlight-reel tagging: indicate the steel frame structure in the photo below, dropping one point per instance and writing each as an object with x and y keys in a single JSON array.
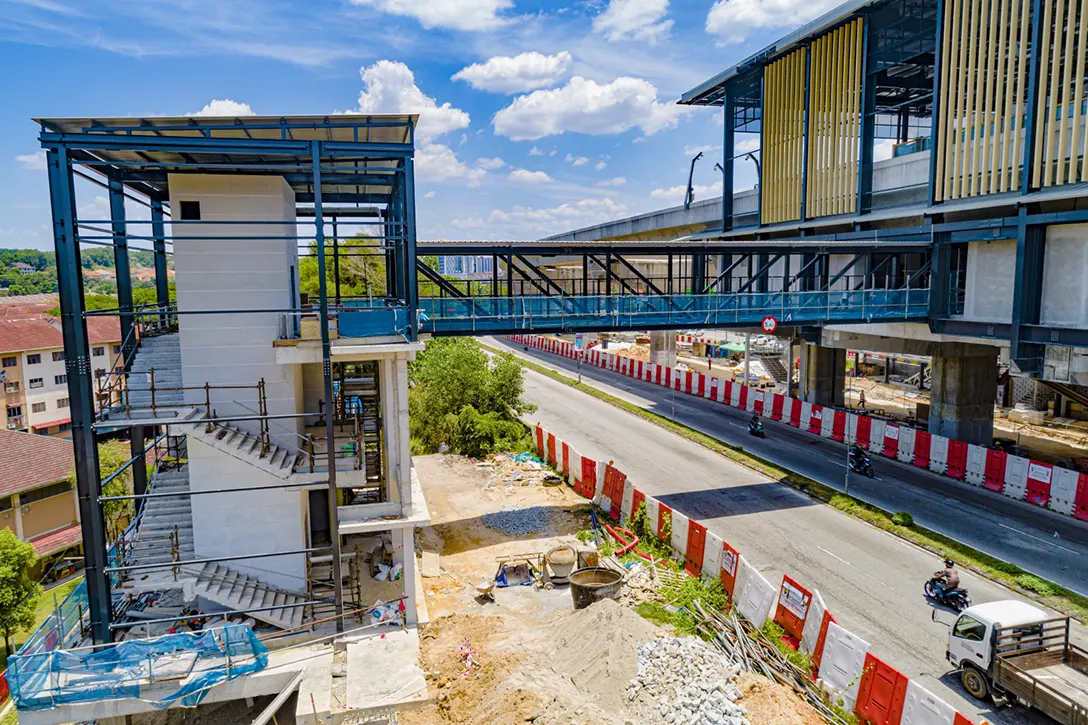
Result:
[
  {"x": 902, "y": 91},
  {"x": 346, "y": 161}
]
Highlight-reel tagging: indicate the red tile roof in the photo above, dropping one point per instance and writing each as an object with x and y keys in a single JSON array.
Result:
[
  {"x": 27, "y": 305},
  {"x": 28, "y": 460},
  {"x": 50, "y": 424},
  {"x": 43, "y": 333},
  {"x": 57, "y": 540}
]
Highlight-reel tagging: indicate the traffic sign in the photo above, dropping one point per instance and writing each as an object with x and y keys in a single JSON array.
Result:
[{"x": 769, "y": 324}]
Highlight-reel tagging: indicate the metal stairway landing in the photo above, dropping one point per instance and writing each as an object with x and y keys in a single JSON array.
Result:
[
  {"x": 242, "y": 445},
  {"x": 237, "y": 591}
]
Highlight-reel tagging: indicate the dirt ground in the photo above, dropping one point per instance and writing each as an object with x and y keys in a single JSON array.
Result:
[{"x": 528, "y": 657}]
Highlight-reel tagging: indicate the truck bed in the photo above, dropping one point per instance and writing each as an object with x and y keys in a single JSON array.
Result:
[{"x": 1043, "y": 670}]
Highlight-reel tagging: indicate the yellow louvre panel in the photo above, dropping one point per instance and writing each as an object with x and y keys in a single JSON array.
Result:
[
  {"x": 835, "y": 121},
  {"x": 783, "y": 131},
  {"x": 1076, "y": 152}
]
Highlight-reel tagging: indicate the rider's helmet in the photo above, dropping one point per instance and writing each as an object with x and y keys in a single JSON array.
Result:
[{"x": 949, "y": 563}]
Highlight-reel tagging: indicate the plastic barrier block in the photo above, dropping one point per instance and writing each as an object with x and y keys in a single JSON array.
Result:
[
  {"x": 881, "y": 693},
  {"x": 816, "y": 419},
  {"x": 938, "y": 453},
  {"x": 1080, "y": 508},
  {"x": 891, "y": 440},
  {"x": 821, "y": 640},
  {"x": 975, "y": 469},
  {"x": 957, "y": 460},
  {"x": 776, "y": 406},
  {"x": 876, "y": 435},
  {"x": 793, "y": 606},
  {"x": 921, "y": 707},
  {"x": 729, "y": 567},
  {"x": 689, "y": 380},
  {"x": 626, "y": 512},
  {"x": 842, "y": 663},
  {"x": 1063, "y": 490},
  {"x": 712, "y": 388},
  {"x": 539, "y": 442},
  {"x": 810, "y": 633},
  {"x": 838, "y": 426},
  {"x": 663, "y": 513},
  {"x": 827, "y": 422},
  {"x": 806, "y": 416},
  {"x": 758, "y": 401},
  {"x": 734, "y": 394},
  {"x": 637, "y": 499},
  {"x": 680, "y": 526},
  {"x": 865, "y": 425},
  {"x": 693, "y": 562},
  {"x": 742, "y": 396},
  {"x": 793, "y": 405},
  {"x": 907, "y": 438},
  {"x": 754, "y": 595},
  {"x": 574, "y": 475},
  {"x": 1016, "y": 477},
  {"x": 566, "y": 460},
  {"x": 551, "y": 449},
  {"x": 994, "y": 476},
  {"x": 589, "y": 477},
  {"x": 712, "y": 555},
  {"x": 613, "y": 490}
]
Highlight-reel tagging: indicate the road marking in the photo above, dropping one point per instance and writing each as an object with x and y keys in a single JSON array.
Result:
[
  {"x": 1038, "y": 538},
  {"x": 834, "y": 556}
]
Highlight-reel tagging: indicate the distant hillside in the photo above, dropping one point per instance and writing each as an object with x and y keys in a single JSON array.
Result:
[{"x": 16, "y": 280}]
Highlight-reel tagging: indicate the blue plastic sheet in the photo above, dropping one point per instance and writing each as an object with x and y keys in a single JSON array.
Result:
[{"x": 200, "y": 660}]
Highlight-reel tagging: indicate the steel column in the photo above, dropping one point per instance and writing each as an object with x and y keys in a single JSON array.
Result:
[
  {"x": 162, "y": 280},
  {"x": 336, "y": 259},
  {"x": 139, "y": 466},
  {"x": 326, "y": 364},
  {"x": 1027, "y": 295},
  {"x": 121, "y": 266},
  {"x": 804, "y": 141},
  {"x": 867, "y": 132},
  {"x": 77, "y": 365},
  {"x": 935, "y": 125},
  {"x": 412, "y": 296},
  {"x": 728, "y": 162},
  {"x": 1031, "y": 113}
]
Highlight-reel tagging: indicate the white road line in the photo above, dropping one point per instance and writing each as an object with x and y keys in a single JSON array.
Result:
[
  {"x": 1039, "y": 538},
  {"x": 833, "y": 556}
]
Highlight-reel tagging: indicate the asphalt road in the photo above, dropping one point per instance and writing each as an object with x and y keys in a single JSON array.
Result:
[{"x": 871, "y": 580}]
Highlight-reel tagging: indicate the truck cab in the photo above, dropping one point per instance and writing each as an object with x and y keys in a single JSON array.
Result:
[{"x": 970, "y": 640}]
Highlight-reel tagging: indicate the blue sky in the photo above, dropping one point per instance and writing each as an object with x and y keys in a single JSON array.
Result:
[{"x": 536, "y": 117}]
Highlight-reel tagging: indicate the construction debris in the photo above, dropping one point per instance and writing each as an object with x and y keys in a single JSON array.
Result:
[
  {"x": 517, "y": 520},
  {"x": 682, "y": 681}
]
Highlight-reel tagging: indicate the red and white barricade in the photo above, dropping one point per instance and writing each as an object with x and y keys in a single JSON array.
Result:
[
  {"x": 754, "y": 596},
  {"x": 792, "y": 609},
  {"x": 905, "y": 449},
  {"x": 712, "y": 555},
  {"x": 842, "y": 663},
  {"x": 679, "y": 541},
  {"x": 1016, "y": 477},
  {"x": 1063, "y": 490},
  {"x": 881, "y": 693},
  {"x": 695, "y": 549}
]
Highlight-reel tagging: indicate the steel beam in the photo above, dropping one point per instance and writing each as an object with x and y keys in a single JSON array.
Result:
[
  {"x": 1031, "y": 113},
  {"x": 122, "y": 268},
  {"x": 412, "y": 297},
  {"x": 162, "y": 278},
  {"x": 806, "y": 121},
  {"x": 868, "y": 124},
  {"x": 326, "y": 366},
  {"x": 935, "y": 125},
  {"x": 541, "y": 275},
  {"x": 728, "y": 138},
  {"x": 1027, "y": 296},
  {"x": 608, "y": 278},
  {"x": 649, "y": 285},
  {"x": 439, "y": 280},
  {"x": 725, "y": 273},
  {"x": 77, "y": 364},
  {"x": 760, "y": 274},
  {"x": 139, "y": 462}
]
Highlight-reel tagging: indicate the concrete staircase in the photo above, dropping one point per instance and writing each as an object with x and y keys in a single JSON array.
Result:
[
  {"x": 235, "y": 590},
  {"x": 240, "y": 444},
  {"x": 163, "y": 353},
  {"x": 163, "y": 517},
  {"x": 774, "y": 367}
]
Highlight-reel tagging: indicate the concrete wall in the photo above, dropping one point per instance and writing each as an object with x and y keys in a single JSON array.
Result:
[
  {"x": 51, "y": 393},
  {"x": 233, "y": 524},
  {"x": 990, "y": 271},
  {"x": 236, "y": 349},
  {"x": 1065, "y": 294},
  {"x": 49, "y": 514}
]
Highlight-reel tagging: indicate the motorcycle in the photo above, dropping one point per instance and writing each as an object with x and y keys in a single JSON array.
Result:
[
  {"x": 861, "y": 464},
  {"x": 957, "y": 598},
  {"x": 756, "y": 429}
]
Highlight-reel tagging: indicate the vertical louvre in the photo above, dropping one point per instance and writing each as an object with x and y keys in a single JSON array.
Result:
[
  {"x": 783, "y": 136},
  {"x": 1060, "y": 136},
  {"x": 835, "y": 121},
  {"x": 983, "y": 91}
]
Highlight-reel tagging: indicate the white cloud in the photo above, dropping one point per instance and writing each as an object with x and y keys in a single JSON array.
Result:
[
  {"x": 33, "y": 161},
  {"x": 390, "y": 87},
  {"x": 601, "y": 165},
  {"x": 746, "y": 145},
  {"x": 454, "y": 14},
  {"x": 437, "y": 162},
  {"x": 634, "y": 20},
  {"x": 485, "y": 163},
  {"x": 224, "y": 107},
  {"x": 534, "y": 151},
  {"x": 883, "y": 149},
  {"x": 585, "y": 106},
  {"x": 731, "y": 20},
  {"x": 585, "y": 211},
  {"x": 614, "y": 181},
  {"x": 524, "y": 176},
  {"x": 675, "y": 194},
  {"x": 472, "y": 222},
  {"x": 524, "y": 72},
  {"x": 704, "y": 149},
  {"x": 429, "y": 195},
  {"x": 576, "y": 160}
]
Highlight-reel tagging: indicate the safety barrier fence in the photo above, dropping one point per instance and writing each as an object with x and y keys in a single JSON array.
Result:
[
  {"x": 1045, "y": 485},
  {"x": 841, "y": 660}
]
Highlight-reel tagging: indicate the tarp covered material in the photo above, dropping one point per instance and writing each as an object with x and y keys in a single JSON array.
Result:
[{"x": 199, "y": 659}]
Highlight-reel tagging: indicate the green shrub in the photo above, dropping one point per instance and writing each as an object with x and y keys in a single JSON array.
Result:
[
  {"x": 1034, "y": 584},
  {"x": 902, "y": 518}
]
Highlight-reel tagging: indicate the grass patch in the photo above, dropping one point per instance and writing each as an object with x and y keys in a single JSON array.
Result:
[
  {"x": 1010, "y": 575},
  {"x": 45, "y": 608},
  {"x": 902, "y": 518},
  {"x": 654, "y": 612},
  {"x": 678, "y": 609}
]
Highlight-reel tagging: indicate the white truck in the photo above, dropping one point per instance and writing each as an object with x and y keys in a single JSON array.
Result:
[{"x": 1015, "y": 652}]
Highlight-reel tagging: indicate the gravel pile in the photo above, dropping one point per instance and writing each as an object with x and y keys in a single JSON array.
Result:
[
  {"x": 682, "y": 682},
  {"x": 517, "y": 520}
]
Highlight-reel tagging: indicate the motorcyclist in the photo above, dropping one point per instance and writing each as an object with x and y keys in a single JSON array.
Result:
[
  {"x": 946, "y": 579},
  {"x": 857, "y": 454},
  {"x": 755, "y": 423}
]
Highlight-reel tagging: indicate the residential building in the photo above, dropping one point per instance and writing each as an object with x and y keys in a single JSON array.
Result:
[
  {"x": 38, "y": 499},
  {"x": 466, "y": 267},
  {"x": 22, "y": 268},
  {"x": 33, "y": 373}
]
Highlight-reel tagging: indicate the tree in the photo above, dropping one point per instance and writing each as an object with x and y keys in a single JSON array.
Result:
[
  {"x": 461, "y": 397},
  {"x": 111, "y": 456},
  {"x": 19, "y": 594},
  {"x": 362, "y": 269}
]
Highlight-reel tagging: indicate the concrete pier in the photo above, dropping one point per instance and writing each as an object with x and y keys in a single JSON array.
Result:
[
  {"x": 963, "y": 393},
  {"x": 823, "y": 375}
]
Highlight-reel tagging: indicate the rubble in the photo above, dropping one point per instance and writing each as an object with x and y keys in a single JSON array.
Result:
[
  {"x": 682, "y": 682},
  {"x": 517, "y": 520}
]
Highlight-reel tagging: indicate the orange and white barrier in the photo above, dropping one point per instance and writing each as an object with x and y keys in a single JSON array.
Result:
[
  {"x": 842, "y": 663},
  {"x": 1037, "y": 483}
]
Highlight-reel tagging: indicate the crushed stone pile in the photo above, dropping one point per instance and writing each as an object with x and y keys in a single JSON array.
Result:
[
  {"x": 517, "y": 520},
  {"x": 682, "y": 682}
]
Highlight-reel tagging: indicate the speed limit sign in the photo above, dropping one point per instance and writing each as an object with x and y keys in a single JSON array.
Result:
[{"x": 769, "y": 324}]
